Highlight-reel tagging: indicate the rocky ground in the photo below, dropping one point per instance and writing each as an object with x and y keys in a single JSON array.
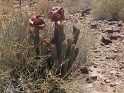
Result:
[{"x": 105, "y": 72}]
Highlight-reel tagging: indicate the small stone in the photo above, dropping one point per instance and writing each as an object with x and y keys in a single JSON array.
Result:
[
  {"x": 113, "y": 72},
  {"x": 95, "y": 65},
  {"x": 120, "y": 23},
  {"x": 106, "y": 40},
  {"x": 114, "y": 22},
  {"x": 118, "y": 75},
  {"x": 116, "y": 29},
  {"x": 102, "y": 88},
  {"x": 117, "y": 83},
  {"x": 111, "y": 56},
  {"x": 107, "y": 81},
  {"x": 96, "y": 50},
  {"x": 116, "y": 51},
  {"x": 91, "y": 79},
  {"x": 84, "y": 70},
  {"x": 94, "y": 24},
  {"x": 85, "y": 11},
  {"x": 122, "y": 41},
  {"x": 110, "y": 23},
  {"x": 81, "y": 18},
  {"x": 122, "y": 62},
  {"x": 109, "y": 29},
  {"x": 111, "y": 19},
  {"x": 97, "y": 56},
  {"x": 112, "y": 84},
  {"x": 112, "y": 37},
  {"x": 105, "y": 21},
  {"x": 70, "y": 15}
]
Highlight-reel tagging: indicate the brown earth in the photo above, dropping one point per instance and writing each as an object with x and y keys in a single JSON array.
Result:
[{"x": 105, "y": 72}]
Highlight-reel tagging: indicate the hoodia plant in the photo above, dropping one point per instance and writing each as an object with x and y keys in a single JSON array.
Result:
[
  {"x": 60, "y": 52},
  {"x": 38, "y": 23}
]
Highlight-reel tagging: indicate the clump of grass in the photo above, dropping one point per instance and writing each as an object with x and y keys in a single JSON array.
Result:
[
  {"x": 43, "y": 7},
  {"x": 105, "y": 9},
  {"x": 75, "y": 6},
  {"x": 17, "y": 57}
]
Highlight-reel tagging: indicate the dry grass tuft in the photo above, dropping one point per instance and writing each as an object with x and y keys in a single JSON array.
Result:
[
  {"x": 43, "y": 6},
  {"x": 75, "y": 6},
  {"x": 105, "y": 9}
]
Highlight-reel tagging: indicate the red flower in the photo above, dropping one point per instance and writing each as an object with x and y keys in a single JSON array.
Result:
[
  {"x": 37, "y": 22},
  {"x": 45, "y": 41},
  {"x": 56, "y": 14},
  {"x": 48, "y": 43}
]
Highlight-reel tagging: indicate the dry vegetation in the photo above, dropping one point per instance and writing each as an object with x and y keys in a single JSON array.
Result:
[
  {"x": 75, "y": 6},
  {"x": 14, "y": 40},
  {"x": 106, "y": 9},
  {"x": 17, "y": 52}
]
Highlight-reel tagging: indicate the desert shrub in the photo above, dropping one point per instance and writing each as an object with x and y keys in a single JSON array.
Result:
[
  {"x": 105, "y": 9},
  {"x": 74, "y": 6},
  {"x": 43, "y": 7},
  {"x": 17, "y": 56}
]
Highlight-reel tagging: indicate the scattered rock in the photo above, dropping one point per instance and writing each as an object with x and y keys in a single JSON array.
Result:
[
  {"x": 111, "y": 56},
  {"x": 120, "y": 23},
  {"x": 118, "y": 83},
  {"x": 91, "y": 79},
  {"x": 86, "y": 11},
  {"x": 113, "y": 72},
  {"x": 93, "y": 24},
  {"x": 114, "y": 22},
  {"x": 110, "y": 23},
  {"x": 106, "y": 40},
  {"x": 111, "y": 19},
  {"x": 84, "y": 70},
  {"x": 102, "y": 88},
  {"x": 116, "y": 29},
  {"x": 112, "y": 84},
  {"x": 95, "y": 65},
  {"x": 115, "y": 84},
  {"x": 112, "y": 37},
  {"x": 81, "y": 18},
  {"x": 96, "y": 51},
  {"x": 116, "y": 50},
  {"x": 109, "y": 29},
  {"x": 122, "y": 62},
  {"x": 122, "y": 41},
  {"x": 107, "y": 81}
]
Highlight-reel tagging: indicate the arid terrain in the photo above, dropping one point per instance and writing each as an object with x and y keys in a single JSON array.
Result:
[{"x": 99, "y": 68}]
